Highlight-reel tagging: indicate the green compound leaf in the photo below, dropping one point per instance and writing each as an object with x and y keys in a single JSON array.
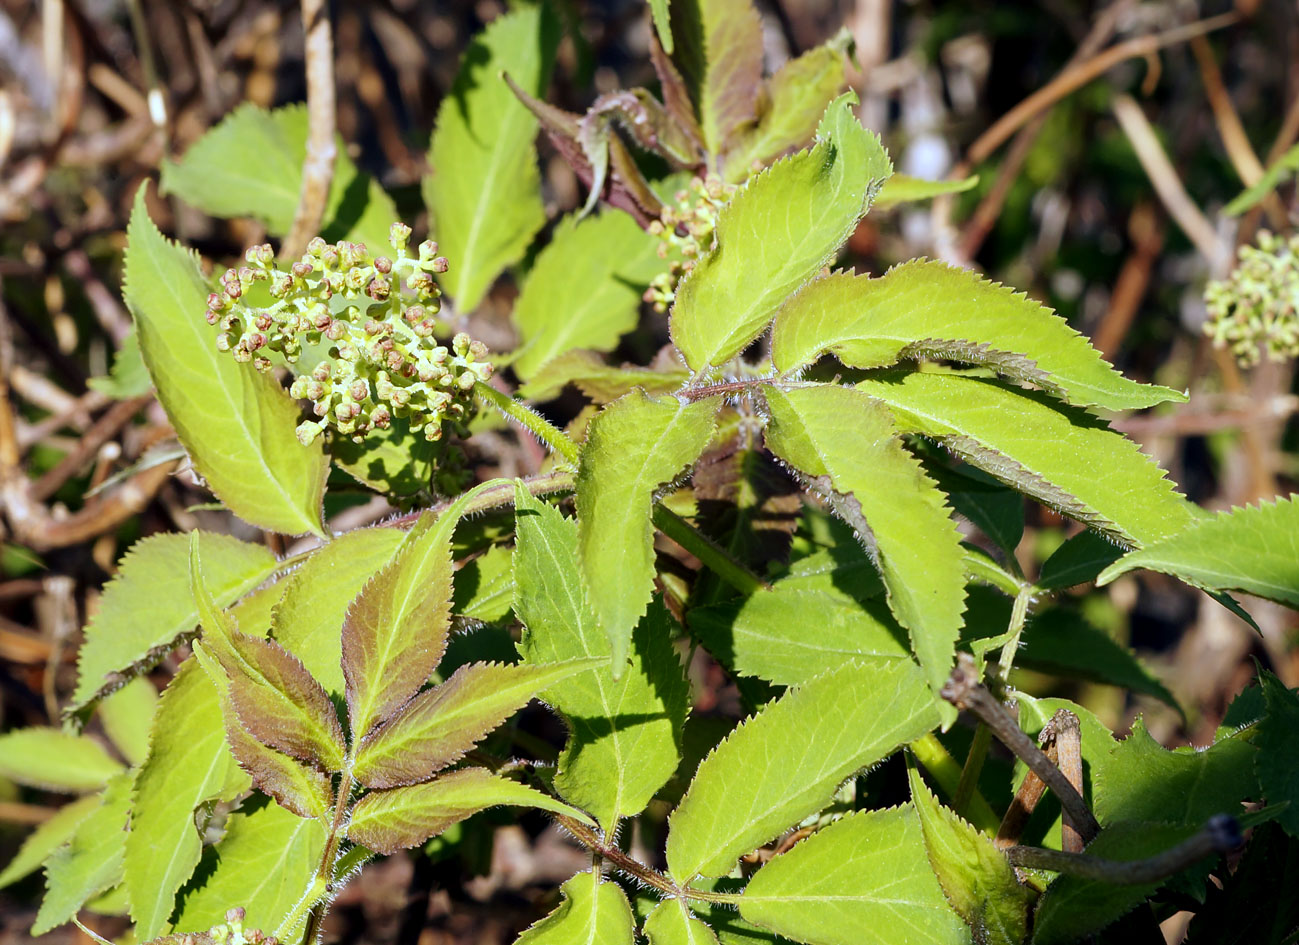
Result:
[
  {"x": 48, "y": 837},
  {"x": 594, "y": 912},
  {"x": 485, "y": 191},
  {"x": 1059, "y": 455},
  {"x": 403, "y": 817},
  {"x": 1277, "y": 764},
  {"x": 91, "y": 862},
  {"x": 263, "y": 863},
  {"x": 436, "y": 729},
  {"x": 903, "y": 188},
  {"x": 584, "y": 290},
  {"x": 147, "y": 609},
  {"x": 845, "y": 441},
  {"x": 317, "y": 596},
  {"x": 1254, "y": 549},
  {"x": 719, "y": 53},
  {"x": 633, "y": 447},
  {"x": 625, "y": 737},
  {"x": 127, "y": 717},
  {"x": 976, "y": 879},
  {"x": 863, "y": 880},
  {"x": 776, "y": 234},
  {"x": 671, "y": 923},
  {"x": 54, "y": 760},
  {"x": 929, "y": 309},
  {"x": 237, "y": 424},
  {"x": 823, "y": 732},
  {"x": 250, "y": 165}
]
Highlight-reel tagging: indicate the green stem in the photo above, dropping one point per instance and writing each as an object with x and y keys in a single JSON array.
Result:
[
  {"x": 707, "y": 551},
  {"x": 552, "y": 436},
  {"x": 973, "y": 767},
  {"x": 322, "y": 882},
  {"x": 1018, "y": 614},
  {"x": 935, "y": 759}
]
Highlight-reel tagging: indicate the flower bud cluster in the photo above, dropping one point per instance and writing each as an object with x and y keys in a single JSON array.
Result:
[
  {"x": 1257, "y": 306},
  {"x": 375, "y": 316},
  {"x": 688, "y": 228}
]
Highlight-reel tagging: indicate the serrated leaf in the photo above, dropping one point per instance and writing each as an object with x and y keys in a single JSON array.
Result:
[
  {"x": 128, "y": 377},
  {"x": 250, "y": 165},
  {"x": 395, "y": 819},
  {"x": 1254, "y": 549},
  {"x": 92, "y": 860},
  {"x": 127, "y": 717},
  {"x": 237, "y": 424},
  {"x": 308, "y": 618},
  {"x": 659, "y": 9},
  {"x": 438, "y": 726},
  {"x": 994, "y": 509},
  {"x": 835, "y": 725},
  {"x": 633, "y": 446},
  {"x": 48, "y": 837},
  {"x": 54, "y": 760},
  {"x": 599, "y": 381},
  {"x": 1059, "y": 455},
  {"x": 484, "y": 586},
  {"x": 719, "y": 53},
  {"x": 1078, "y": 560},
  {"x": 625, "y": 737},
  {"x": 594, "y": 912},
  {"x": 848, "y": 439},
  {"x": 485, "y": 191},
  {"x": 863, "y": 880},
  {"x": 976, "y": 879},
  {"x": 930, "y": 309},
  {"x": 146, "y": 609},
  {"x": 1281, "y": 169},
  {"x": 775, "y": 235},
  {"x": 903, "y": 188},
  {"x": 671, "y": 923},
  {"x": 584, "y": 291},
  {"x": 1276, "y": 763},
  {"x": 263, "y": 863}
]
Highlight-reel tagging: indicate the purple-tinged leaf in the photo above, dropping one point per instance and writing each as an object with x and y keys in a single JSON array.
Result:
[
  {"x": 676, "y": 97},
  {"x": 404, "y": 817},
  {"x": 719, "y": 51},
  {"x": 440, "y": 725}
]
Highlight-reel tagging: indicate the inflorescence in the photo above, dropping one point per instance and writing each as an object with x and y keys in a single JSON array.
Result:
[
  {"x": 1257, "y": 306},
  {"x": 688, "y": 228},
  {"x": 374, "y": 318}
]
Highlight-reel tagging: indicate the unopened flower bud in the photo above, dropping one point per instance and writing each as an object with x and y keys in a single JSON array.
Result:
[{"x": 399, "y": 235}]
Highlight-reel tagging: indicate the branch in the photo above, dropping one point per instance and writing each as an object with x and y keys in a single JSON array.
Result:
[{"x": 318, "y": 167}]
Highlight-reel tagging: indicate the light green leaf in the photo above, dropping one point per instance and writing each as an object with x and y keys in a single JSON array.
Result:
[
  {"x": 237, "y": 424},
  {"x": 633, "y": 447},
  {"x": 128, "y": 377},
  {"x": 1059, "y": 455},
  {"x": 584, "y": 291},
  {"x": 929, "y": 309},
  {"x": 263, "y": 863},
  {"x": 787, "y": 761},
  {"x": 625, "y": 737},
  {"x": 671, "y": 923},
  {"x": 775, "y": 235},
  {"x": 146, "y": 609},
  {"x": 1254, "y": 549},
  {"x": 1283, "y": 168},
  {"x": 1277, "y": 764},
  {"x": 903, "y": 188},
  {"x": 54, "y": 760},
  {"x": 594, "y": 912},
  {"x": 48, "y": 837},
  {"x": 485, "y": 190},
  {"x": 250, "y": 165},
  {"x": 91, "y": 862},
  {"x": 127, "y": 717},
  {"x": 599, "y": 381},
  {"x": 484, "y": 586},
  {"x": 719, "y": 53},
  {"x": 393, "y": 461},
  {"x": 863, "y": 880},
  {"x": 977, "y": 880},
  {"x": 880, "y": 489}
]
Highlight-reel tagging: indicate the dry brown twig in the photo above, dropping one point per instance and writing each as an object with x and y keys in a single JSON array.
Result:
[{"x": 318, "y": 168}]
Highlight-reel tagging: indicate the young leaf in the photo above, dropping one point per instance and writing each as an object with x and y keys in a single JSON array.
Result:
[
  {"x": 846, "y": 437},
  {"x": 929, "y": 309},
  {"x": 128, "y": 377},
  {"x": 1254, "y": 549},
  {"x": 127, "y": 717},
  {"x": 903, "y": 188},
  {"x": 1061, "y": 456},
  {"x": 787, "y": 761},
  {"x": 147, "y": 609},
  {"x": 976, "y": 879},
  {"x": 484, "y": 586},
  {"x": 1276, "y": 763},
  {"x": 237, "y": 424},
  {"x": 55, "y": 760},
  {"x": 719, "y": 52},
  {"x": 91, "y": 862},
  {"x": 598, "y": 381},
  {"x": 485, "y": 191},
  {"x": 594, "y": 910},
  {"x": 584, "y": 290},
  {"x": 775, "y": 235},
  {"x": 863, "y": 880},
  {"x": 633, "y": 447},
  {"x": 48, "y": 837},
  {"x": 671, "y": 923},
  {"x": 436, "y": 729},
  {"x": 662, "y": 23},
  {"x": 392, "y": 820},
  {"x": 625, "y": 737}
]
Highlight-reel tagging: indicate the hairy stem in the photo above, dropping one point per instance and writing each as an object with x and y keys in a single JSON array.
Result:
[
  {"x": 726, "y": 567},
  {"x": 973, "y": 767},
  {"x": 1018, "y": 614},
  {"x": 322, "y": 883},
  {"x": 552, "y": 436}
]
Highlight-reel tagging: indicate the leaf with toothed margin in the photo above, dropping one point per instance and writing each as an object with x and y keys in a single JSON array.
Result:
[
  {"x": 845, "y": 441},
  {"x": 774, "y": 235},
  {"x": 594, "y": 912},
  {"x": 403, "y": 817},
  {"x": 633, "y": 447},
  {"x": 719, "y": 53},
  {"x": 787, "y": 761},
  {"x": 1059, "y": 455},
  {"x": 672, "y": 923},
  {"x": 924, "y": 309},
  {"x": 598, "y": 381},
  {"x": 438, "y": 726},
  {"x": 54, "y": 760},
  {"x": 48, "y": 837}
]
